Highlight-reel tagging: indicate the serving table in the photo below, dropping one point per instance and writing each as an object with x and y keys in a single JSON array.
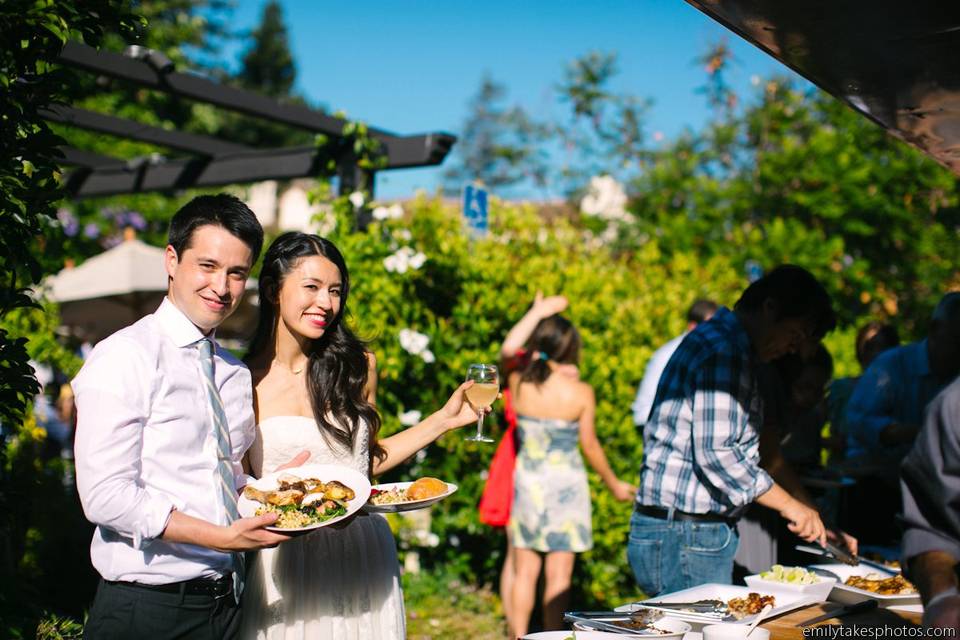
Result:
[{"x": 785, "y": 626}]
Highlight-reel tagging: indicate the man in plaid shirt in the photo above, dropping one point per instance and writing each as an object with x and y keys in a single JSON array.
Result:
[{"x": 701, "y": 462}]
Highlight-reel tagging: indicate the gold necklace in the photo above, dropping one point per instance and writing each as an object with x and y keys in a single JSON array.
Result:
[{"x": 295, "y": 372}]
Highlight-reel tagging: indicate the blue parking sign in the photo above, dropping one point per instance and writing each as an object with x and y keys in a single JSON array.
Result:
[{"x": 475, "y": 209}]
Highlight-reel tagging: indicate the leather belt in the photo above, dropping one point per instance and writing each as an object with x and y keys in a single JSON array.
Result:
[
  {"x": 212, "y": 587},
  {"x": 664, "y": 514}
]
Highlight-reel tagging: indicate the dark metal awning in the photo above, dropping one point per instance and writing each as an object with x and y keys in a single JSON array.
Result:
[
  {"x": 211, "y": 161},
  {"x": 895, "y": 61}
]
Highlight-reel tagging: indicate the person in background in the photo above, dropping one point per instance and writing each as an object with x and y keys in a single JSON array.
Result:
[
  {"x": 801, "y": 439},
  {"x": 513, "y": 356},
  {"x": 886, "y": 408},
  {"x": 872, "y": 339},
  {"x": 67, "y": 407},
  {"x": 701, "y": 454},
  {"x": 699, "y": 311},
  {"x": 550, "y": 518},
  {"x": 930, "y": 481},
  {"x": 164, "y": 417},
  {"x": 884, "y": 415},
  {"x": 59, "y": 434}
]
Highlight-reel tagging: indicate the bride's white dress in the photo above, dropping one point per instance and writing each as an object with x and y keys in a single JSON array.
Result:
[{"x": 336, "y": 583}]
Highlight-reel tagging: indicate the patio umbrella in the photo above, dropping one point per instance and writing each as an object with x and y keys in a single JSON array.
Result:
[{"x": 121, "y": 285}]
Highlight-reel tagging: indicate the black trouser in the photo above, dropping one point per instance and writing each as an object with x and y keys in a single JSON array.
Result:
[{"x": 122, "y": 610}]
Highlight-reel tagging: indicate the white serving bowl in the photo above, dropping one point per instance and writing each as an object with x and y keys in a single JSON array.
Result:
[{"x": 817, "y": 591}]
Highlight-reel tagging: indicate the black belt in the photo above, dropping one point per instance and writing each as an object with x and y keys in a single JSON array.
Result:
[
  {"x": 664, "y": 514},
  {"x": 212, "y": 587}
]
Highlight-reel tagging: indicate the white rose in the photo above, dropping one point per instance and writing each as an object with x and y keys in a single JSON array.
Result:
[
  {"x": 357, "y": 199},
  {"x": 410, "y": 418},
  {"x": 394, "y": 264},
  {"x": 417, "y": 260},
  {"x": 605, "y": 199},
  {"x": 413, "y": 342}
]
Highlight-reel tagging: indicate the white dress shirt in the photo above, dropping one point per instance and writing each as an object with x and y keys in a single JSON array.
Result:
[
  {"x": 145, "y": 446},
  {"x": 647, "y": 392}
]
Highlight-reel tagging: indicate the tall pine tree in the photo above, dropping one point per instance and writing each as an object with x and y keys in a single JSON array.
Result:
[{"x": 268, "y": 66}]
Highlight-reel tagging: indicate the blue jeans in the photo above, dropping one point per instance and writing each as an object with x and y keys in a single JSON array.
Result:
[{"x": 670, "y": 555}]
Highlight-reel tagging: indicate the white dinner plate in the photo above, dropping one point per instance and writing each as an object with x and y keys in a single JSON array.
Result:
[
  {"x": 603, "y": 635},
  {"x": 845, "y": 594},
  {"x": 323, "y": 472},
  {"x": 410, "y": 505},
  {"x": 663, "y": 628},
  {"x": 783, "y": 602}
]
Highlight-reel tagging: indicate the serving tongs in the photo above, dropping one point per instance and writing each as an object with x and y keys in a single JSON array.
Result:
[
  {"x": 603, "y": 621},
  {"x": 830, "y": 550},
  {"x": 717, "y": 609}
]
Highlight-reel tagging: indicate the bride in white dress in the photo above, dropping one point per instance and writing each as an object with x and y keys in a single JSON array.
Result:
[{"x": 314, "y": 391}]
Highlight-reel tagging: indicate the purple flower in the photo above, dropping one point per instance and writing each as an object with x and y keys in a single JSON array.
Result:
[
  {"x": 70, "y": 225},
  {"x": 91, "y": 230},
  {"x": 137, "y": 221}
]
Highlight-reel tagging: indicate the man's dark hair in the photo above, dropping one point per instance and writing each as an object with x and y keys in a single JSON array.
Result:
[
  {"x": 873, "y": 338},
  {"x": 797, "y": 294},
  {"x": 701, "y": 310},
  {"x": 221, "y": 210},
  {"x": 947, "y": 310}
]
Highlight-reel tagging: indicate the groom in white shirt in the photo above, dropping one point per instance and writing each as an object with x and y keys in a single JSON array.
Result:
[{"x": 164, "y": 418}]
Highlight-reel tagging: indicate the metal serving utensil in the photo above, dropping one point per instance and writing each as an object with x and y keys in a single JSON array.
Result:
[
  {"x": 604, "y": 620},
  {"x": 718, "y": 607},
  {"x": 831, "y": 551}
]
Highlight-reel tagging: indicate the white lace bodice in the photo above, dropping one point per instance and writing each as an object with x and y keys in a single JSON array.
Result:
[{"x": 280, "y": 438}]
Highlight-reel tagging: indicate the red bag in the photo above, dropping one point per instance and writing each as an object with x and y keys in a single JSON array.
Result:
[{"x": 498, "y": 492}]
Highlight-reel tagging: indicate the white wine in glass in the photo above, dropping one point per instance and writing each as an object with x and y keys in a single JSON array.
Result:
[{"x": 486, "y": 386}]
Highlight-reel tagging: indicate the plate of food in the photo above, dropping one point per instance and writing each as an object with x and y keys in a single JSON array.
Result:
[
  {"x": 712, "y": 603},
  {"x": 858, "y": 583},
  {"x": 307, "y": 497},
  {"x": 393, "y": 497},
  {"x": 792, "y": 580}
]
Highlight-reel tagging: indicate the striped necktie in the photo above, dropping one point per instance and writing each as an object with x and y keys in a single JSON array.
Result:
[{"x": 226, "y": 483}]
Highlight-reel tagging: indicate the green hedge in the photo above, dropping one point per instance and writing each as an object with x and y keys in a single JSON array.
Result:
[{"x": 465, "y": 297}]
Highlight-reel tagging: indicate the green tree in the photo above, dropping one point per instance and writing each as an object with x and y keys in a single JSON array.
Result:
[
  {"x": 268, "y": 68},
  {"x": 795, "y": 172},
  {"x": 603, "y": 132},
  {"x": 33, "y": 35},
  {"x": 268, "y": 65},
  {"x": 498, "y": 146}
]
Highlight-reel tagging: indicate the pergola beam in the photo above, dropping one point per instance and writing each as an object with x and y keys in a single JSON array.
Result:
[
  {"x": 181, "y": 141},
  {"x": 89, "y": 159},
  {"x": 216, "y": 162},
  {"x": 272, "y": 164},
  {"x": 201, "y": 89}
]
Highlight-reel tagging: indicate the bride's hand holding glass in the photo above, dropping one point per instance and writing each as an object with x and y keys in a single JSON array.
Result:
[
  {"x": 457, "y": 411},
  {"x": 486, "y": 388}
]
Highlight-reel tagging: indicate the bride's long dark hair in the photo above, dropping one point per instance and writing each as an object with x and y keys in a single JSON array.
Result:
[{"x": 337, "y": 361}]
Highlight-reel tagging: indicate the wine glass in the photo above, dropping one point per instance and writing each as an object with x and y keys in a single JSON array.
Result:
[{"x": 486, "y": 386}]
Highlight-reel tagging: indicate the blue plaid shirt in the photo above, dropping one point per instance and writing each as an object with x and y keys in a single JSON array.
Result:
[{"x": 701, "y": 445}]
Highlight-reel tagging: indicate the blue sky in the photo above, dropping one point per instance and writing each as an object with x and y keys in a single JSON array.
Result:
[{"x": 412, "y": 66}]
